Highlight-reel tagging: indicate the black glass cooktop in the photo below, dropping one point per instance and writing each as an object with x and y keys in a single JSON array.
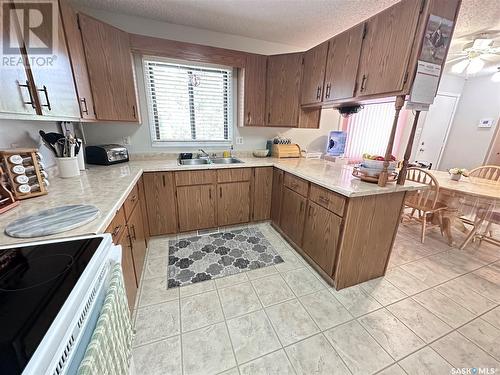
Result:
[{"x": 35, "y": 281}]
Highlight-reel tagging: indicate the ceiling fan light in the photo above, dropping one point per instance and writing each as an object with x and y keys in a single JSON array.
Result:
[
  {"x": 482, "y": 43},
  {"x": 475, "y": 66},
  {"x": 460, "y": 66}
]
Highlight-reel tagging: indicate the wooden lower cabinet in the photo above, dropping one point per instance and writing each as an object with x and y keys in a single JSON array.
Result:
[
  {"x": 196, "y": 207},
  {"x": 293, "y": 212},
  {"x": 262, "y": 193},
  {"x": 138, "y": 241},
  {"x": 321, "y": 235},
  {"x": 233, "y": 205},
  {"x": 128, "y": 269},
  {"x": 276, "y": 196},
  {"x": 159, "y": 191}
]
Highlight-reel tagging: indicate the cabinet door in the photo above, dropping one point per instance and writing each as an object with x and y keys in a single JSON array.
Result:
[
  {"x": 262, "y": 191},
  {"x": 342, "y": 64},
  {"x": 283, "y": 89},
  {"x": 314, "y": 74},
  {"x": 128, "y": 269},
  {"x": 233, "y": 203},
  {"x": 77, "y": 57},
  {"x": 293, "y": 212},
  {"x": 142, "y": 202},
  {"x": 17, "y": 91},
  {"x": 53, "y": 79},
  {"x": 196, "y": 207},
  {"x": 386, "y": 49},
  {"x": 321, "y": 234},
  {"x": 276, "y": 196},
  {"x": 160, "y": 202},
  {"x": 254, "y": 90},
  {"x": 138, "y": 241},
  {"x": 109, "y": 63}
]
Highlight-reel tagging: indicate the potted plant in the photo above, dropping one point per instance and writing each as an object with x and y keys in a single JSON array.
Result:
[{"x": 457, "y": 173}]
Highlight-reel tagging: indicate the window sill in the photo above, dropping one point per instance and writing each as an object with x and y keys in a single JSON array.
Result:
[{"x": 187, "y": 144}]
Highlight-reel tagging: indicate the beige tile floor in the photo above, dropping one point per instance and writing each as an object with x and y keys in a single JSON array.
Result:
[{"x": 436, "y": 309}]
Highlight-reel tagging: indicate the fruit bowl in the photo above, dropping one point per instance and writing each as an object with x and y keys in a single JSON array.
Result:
[
  {"x": 377, "y": 164},
  {"x": 260, "y": 153}
]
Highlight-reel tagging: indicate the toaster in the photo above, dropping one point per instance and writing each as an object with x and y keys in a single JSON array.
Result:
[{"x": 106, "y": 154}]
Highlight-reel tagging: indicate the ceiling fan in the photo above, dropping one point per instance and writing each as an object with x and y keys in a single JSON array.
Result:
[{"x": 474, "y": 55}]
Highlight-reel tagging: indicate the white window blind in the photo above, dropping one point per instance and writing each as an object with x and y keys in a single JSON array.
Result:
[
  {"x": 369, "y": 130},
  {"x": 188, "y": 103}
]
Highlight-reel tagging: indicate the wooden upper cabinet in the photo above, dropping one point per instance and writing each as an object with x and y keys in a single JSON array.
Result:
[
  {"x": 77, "y": 57},
  {"x": 159, "y": 191},
  {"x": 262, "y": 192},
  {"x": 111, "y": 73},
  {"x": 313, "y": 75},
  {"x": 387, "y": 48},
  {"x": 17, "y": 91},
  {"x": 254, "y": 90},
  {"x": 233, "y": 205},
  {"x": 52, "y": 79},
  {"x": 342, "y": 64},
  {"x": 283, "y": 89}
]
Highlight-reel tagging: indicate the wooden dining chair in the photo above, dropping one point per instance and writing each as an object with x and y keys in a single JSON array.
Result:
[
  {"x": 489, "y": 216},
  {"x": 487, "y": 172},
  {"x": 425, "y": 201}
]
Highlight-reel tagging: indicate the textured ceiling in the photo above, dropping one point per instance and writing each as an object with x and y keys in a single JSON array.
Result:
[{"x": 300, "y": 23}]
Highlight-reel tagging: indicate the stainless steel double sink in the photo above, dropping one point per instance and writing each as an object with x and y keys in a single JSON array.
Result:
[{"x": 203, "y": 161}]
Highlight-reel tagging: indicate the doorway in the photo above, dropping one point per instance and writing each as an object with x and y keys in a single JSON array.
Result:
[{"x": 435, "y": 129}]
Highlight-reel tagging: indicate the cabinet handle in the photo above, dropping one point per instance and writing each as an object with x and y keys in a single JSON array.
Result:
[
  {"x": 309, "y": 211},
  {"x": 363, "y": 81},
  {"x": 249, "y": 117},
  {"x": 318, "y": 93},
  {"x": 163, "y": 178},
  {"x": 133, "y": 231},
  {"x": 324, "y": 200},
  {"x": 31, "y": 102},
  {"x": 328, "y": 89},
  {"x": 268, "y": 117},
  {"x": 116, "y": 230},
  {"x": 301, "y": 206},
  {"x": 210, "y": 193},
  {"x": 133, "y": 111},
  {"x": 220, "y": 192},
  {"x": 44, "y": 90},
  {"x": 85, "y": 109}
]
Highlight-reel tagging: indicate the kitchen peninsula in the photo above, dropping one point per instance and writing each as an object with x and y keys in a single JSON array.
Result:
[{"x": 342, "y": 226}]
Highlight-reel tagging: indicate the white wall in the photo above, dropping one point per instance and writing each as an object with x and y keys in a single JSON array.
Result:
[
  {"x": 311, "y": 139},
  {"x": 467, "y": 144}
]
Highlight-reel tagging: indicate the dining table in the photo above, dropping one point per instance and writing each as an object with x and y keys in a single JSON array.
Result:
[{"x": 463, "y": 198}]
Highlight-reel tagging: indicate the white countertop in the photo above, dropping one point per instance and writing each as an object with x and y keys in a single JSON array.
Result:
[{"x": 106, "y": 187}]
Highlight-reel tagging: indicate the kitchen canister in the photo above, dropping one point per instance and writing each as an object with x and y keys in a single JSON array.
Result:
[{"x": 68, "y": 167}]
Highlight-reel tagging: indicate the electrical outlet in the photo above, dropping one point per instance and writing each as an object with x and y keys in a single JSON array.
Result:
[
  {"x": 239, "y": 140},
  {"x": 126, "y": 140}
]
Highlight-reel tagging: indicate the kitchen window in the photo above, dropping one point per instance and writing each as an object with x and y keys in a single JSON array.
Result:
[{"x": 189, "y": 104}]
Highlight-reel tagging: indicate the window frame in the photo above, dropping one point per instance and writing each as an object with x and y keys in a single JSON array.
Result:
[{"x": 232, "y": 112}]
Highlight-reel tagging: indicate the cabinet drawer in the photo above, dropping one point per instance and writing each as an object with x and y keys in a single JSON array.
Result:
[
  {"x": 296, "y": 184},
  {"x": 234, "y": 175},
  {"x": 131, "y": 201},
  {"x": 195, "y": 178},
  {"x": 328, "y": 199},
  {"x": 117, "y": 226}
]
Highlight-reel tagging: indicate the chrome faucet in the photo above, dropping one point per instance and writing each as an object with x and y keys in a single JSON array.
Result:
[{"x": 204, "y": 153}]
